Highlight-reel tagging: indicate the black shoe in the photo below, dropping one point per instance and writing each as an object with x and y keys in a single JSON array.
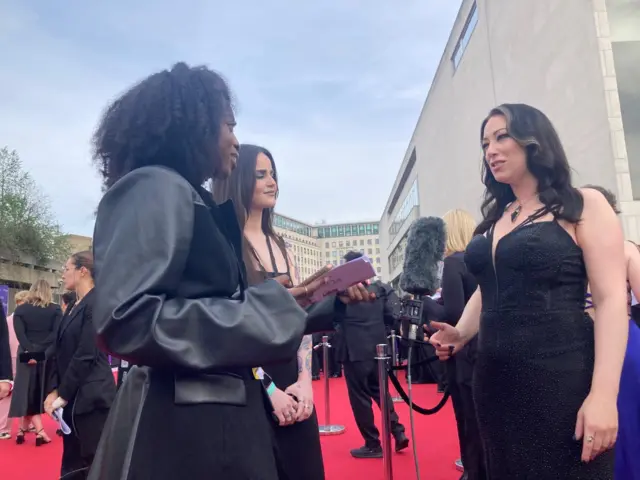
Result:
[
  {"x": 315, "y": 377},
  {"x": 367, "y": 452},
  {"x": 336, "y": 375},
  {"x": 402, "y": 441}
]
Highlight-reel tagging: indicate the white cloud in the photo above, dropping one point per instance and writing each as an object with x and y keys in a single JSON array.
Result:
[{"x": 332, "y": 88}]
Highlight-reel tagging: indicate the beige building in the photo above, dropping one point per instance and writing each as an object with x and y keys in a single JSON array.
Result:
[
  {"x": 576, "y": 60},
  {"x": 316, "y": 245}
]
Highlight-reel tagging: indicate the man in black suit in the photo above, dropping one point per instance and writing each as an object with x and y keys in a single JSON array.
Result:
[{"x": 361, "y": 328}]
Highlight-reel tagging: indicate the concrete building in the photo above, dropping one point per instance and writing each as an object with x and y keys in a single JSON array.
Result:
[
  {"x": 316, "y": 245},
  {"x": 576, "y": 60}
]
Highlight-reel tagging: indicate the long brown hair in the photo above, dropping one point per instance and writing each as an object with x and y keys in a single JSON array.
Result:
[{"x": 239, "y": 188}]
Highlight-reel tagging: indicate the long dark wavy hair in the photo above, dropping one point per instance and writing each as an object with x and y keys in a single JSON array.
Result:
[
  {"x": 546, "y": 160},
  {"x": 239, "y": 188}
]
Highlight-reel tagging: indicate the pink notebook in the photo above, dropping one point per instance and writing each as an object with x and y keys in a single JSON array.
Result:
[{"x": 344, "y": 276}]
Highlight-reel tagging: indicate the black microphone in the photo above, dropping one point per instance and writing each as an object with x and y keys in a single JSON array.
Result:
[{"x": 422, "y": 257}]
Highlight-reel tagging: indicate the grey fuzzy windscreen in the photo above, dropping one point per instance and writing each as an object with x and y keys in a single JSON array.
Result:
[{"x": 422, "y": 257}]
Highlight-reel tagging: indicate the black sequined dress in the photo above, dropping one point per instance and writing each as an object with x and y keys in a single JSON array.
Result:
[{"x": 535, "y": 354}]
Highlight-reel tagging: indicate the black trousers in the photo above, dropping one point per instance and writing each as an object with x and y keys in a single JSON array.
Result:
[
  {"x": 79, "y": 447},
  {"x": 460, "y": 377},
  {"x": 363, "y": 387}
]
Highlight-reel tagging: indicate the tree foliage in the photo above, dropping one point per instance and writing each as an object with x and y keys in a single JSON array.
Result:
[{"x": 27, "y": 226}]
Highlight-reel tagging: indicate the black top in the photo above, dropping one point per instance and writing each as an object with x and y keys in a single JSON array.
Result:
[
  {"x": 6, "y": 367},
  {"x": 364, "y": 325},
  {"x": 458, "y": 285},
  {"x": 82, "y": 374},
  {"x": 282, "y": 374},
  {"x": 35, "y": 326}
]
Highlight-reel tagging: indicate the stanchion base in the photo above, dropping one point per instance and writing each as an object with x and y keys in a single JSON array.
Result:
[
  {"x": 397, "y": 399},
  {"x": 331, "y": 429}
]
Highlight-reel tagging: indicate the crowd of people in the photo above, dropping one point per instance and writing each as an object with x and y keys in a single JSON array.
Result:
[{"x": 189, "y": 282}]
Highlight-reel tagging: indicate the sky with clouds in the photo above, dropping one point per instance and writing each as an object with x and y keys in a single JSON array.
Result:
[{"x": 332, "y": 88}]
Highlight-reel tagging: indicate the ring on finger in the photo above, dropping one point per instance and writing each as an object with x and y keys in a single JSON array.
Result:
[{"x": 590, "y": 439}]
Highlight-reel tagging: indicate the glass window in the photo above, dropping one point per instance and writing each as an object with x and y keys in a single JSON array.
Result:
[
  {"x": 361, "y": 242},
  {"x": 369, "y": 251},
  {"x": 408, "y": 204},
  {"x": 326, "y": 244},
  {"x": 348, "y": 243},
  {"x": 369, "y": 242},
  {"x": 333, "y": 244},
  {"x": 378, "y": 269},
  {"x": 465, "y": 36},
  {"x": 377, "y": 259},
  {"x": 377, "y": 241}
]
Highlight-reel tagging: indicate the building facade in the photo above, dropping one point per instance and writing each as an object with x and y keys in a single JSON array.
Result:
[
  {"x": 314, "y": 246},
  {"x": 576, "y": 60}
]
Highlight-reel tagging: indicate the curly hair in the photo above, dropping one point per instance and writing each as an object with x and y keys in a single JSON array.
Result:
[{"x": 171, "y": 118}]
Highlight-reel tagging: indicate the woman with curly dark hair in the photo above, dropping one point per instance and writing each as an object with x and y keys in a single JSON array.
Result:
[{"x": 171, "y": 291}]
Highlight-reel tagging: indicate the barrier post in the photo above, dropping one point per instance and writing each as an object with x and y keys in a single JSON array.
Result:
[
  {"x": 383, "y": 376},
  {"x": 395, "y": 359},
  {"x": 327, "y": 428}
]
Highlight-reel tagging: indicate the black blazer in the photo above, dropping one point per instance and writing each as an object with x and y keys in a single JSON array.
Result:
[
  {"x": 82, "y": 374},
  {"x": 364, "y": 325},
  {"x": 458, "y": 285}
]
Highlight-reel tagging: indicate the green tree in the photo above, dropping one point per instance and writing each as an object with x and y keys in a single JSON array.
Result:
[{"x": 27, "y": 226}]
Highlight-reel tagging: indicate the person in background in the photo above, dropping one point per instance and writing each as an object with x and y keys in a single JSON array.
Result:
[
  {"x": 67, "y": 299},
  {"x": 5, "y": 402},
  {"x": 358, "y": 331},
  {"x": 83, "y": 385},
  {"x": 35, "y": 323},
  {"x": 458, "y": 285},
  {"x": 627, "y": 463}
]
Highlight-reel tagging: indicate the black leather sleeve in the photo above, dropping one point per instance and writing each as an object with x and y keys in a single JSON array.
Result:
[
  {"x": 142, "y": 238},
  {"x": 322, "y": 316}
]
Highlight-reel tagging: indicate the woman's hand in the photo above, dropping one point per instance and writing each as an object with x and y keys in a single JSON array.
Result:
[
  {"x": 48, "y": 403},
  {"x": 284, "y": 407},
  {"x": 300, "y": 293},
  {"x": 32, "y": 362},
  {"x": 447, "y": 340},
  {"x": 303, "y": 391},
  {"x": 357, "y": 293},
  {"x": 597, "y": 425}
]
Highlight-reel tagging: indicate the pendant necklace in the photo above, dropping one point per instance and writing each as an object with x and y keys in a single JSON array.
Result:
[{"x": 518, "y": 209}]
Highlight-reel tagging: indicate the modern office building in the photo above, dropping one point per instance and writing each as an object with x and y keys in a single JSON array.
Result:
[
  {"x": 316, "y": 245},
  {"x": 576, "y": 60}
]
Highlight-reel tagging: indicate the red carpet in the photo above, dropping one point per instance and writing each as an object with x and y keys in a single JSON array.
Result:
[{"x": 436, "y": 436}]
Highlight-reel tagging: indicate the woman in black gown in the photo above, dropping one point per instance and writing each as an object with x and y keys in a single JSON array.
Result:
[
  {"x": 253, "y": 189},
  {"x": 546, "y": 378}
]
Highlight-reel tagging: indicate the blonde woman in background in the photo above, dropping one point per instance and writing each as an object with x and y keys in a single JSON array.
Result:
[
  {"x": 457, "y": 287},
  {"x": 5, "y": 403},
  {"x": 35, "y": 323}
]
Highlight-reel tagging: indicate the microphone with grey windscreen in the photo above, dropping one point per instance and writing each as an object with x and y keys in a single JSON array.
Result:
[{"x": 422, "y": 259}]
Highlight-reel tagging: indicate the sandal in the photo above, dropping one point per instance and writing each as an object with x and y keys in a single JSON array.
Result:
[
  {"x": 40, "y": 440},
  {"x": 20, "y": 436}
]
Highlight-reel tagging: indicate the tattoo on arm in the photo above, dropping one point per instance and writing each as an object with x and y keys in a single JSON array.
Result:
[{"x": 304, "y": 355}]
